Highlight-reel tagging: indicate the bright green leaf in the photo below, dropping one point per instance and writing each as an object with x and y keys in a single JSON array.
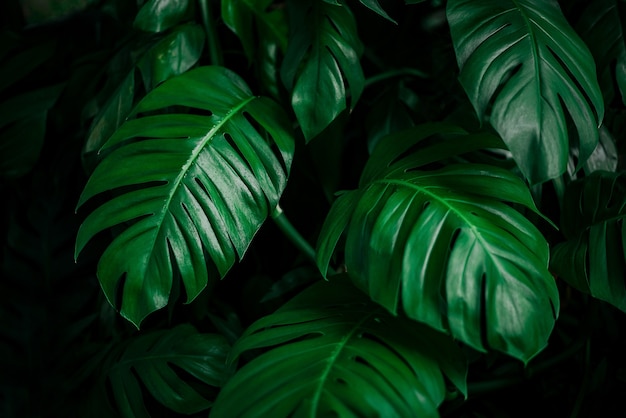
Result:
[
  {"x": 332, "y": 352},
  {"x": 191, "y": 183},
  {"x": 593, "y": 257},
  {"x": 520, "y": 63},
  {"x": 322, "y": 58},
  {"x": 445, "y": 246}
]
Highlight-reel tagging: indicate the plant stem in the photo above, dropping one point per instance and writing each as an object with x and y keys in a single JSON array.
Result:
[
  {"x": 292, "y": 233},
  {"x": 215, "y": 52},
  {"x": 394, "y": 73}
]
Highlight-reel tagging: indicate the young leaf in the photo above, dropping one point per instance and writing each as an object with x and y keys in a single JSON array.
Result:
[
  {"x": 153, "y": 361},
  {"x": 322, "y": 58},
  {"x": 187, "y": 184},
  {"x": 332, "y": 352},
  {"x": 446, "y": 247},
  {"x": 522, "y": 61},
  {"x": 593, "y": 257}
]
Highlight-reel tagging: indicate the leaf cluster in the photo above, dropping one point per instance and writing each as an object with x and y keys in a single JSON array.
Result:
[{"x": 303, "y": 208}]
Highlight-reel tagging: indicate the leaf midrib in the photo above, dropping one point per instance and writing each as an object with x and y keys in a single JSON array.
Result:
[
  {"x": 536, "y": 58},
  {"x": 333, "y": 359},
  {"x": 450, "y": 207},
  {"x": 192, "y": 160}
]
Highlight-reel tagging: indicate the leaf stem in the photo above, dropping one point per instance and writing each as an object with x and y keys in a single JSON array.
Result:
[
  {"x": 215, "y": 52},
  {"x": 394, "y": 73},
  {"x": 292, "y": 233}
]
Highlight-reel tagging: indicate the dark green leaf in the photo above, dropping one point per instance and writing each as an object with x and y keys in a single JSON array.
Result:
[
  {"x": 192, "y": 184},
  {"x": 593, "y": 257},
  {"x": 22, "y": 129},
  {"x": 600, "y": 27},
  {"x": 521, "y": 62},
  {"x": 159, "y": 15},
  {"x": 332, "y": 352},
  {"x": 148, "y": 362},
  {"x": 322, "y": 56},
  {"x": 24, "y": 62},
  {"x": 172, "y": 55},
  {"x": 241, "y": 16}
]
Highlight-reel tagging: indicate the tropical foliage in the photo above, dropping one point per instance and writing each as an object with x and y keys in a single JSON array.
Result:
[{"x": 303, "y": 208}]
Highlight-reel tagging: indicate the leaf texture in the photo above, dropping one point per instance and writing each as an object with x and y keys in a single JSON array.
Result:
[
  {"x": 446, "y": 246},
  {"x": 153, "y": 361},
  {"x": 330, "y": 351},
  {"x": 527, "y": 71},
  {"x": 593, "y": 257},
  {"x": 191, "y": 189},
  {"x": 322, "y": 59}
]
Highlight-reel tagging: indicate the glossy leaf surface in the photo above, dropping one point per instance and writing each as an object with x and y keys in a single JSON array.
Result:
[
  {"x": 159, "y": 15},
  {"x": 188, "y": 186},
  {"x": 322, "y": 56},
  {"x": 593, "y": 258},
  {"x": 527, "y": 71},
  {"x": 458, "y": 257},
  {"x": 330, "y": 351}
]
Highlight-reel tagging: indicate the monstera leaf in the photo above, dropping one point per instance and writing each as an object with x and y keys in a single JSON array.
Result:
[
  {"x": 322, "y": 58},
  {"x": 523, "y": 62},
  {"x": 154, "y": 361},
  {"x": 191, "y": 188},
  {"x": 458, "y": 257},
  {"x": 593, "y": 258},
  {"x": 330, "y": 351}
]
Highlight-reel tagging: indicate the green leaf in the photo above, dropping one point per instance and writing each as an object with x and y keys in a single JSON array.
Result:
[
  {"x": 186, "y": 184},
  {"x": 241, "y": 16},
  {"x": 332, "y": 352},
  {"x": 171, "y": 55},
  {"x": 593, "y": 257},
  {"x": 322, "y": 56},
  {"x": 521, "y": 62},
  {"x": 445, "y": 246},
  {"x": 154, "y": 361},
  {"x": 159, "y": 15}
]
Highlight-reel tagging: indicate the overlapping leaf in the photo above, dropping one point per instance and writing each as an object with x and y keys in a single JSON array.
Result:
[
  {"x": 322, "y": 59},
  {"x": 191, "y": 188},
  {"x": 593, "y": 258},
  {"x": 332, "y": 352},
  {"x": 153, "y": 361},
  {"x": 173, "y": 54},
  {"x": 444, "y": 245},
  {"x": 240, "y": 17},
  {"x": 527, "y": 71}
]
